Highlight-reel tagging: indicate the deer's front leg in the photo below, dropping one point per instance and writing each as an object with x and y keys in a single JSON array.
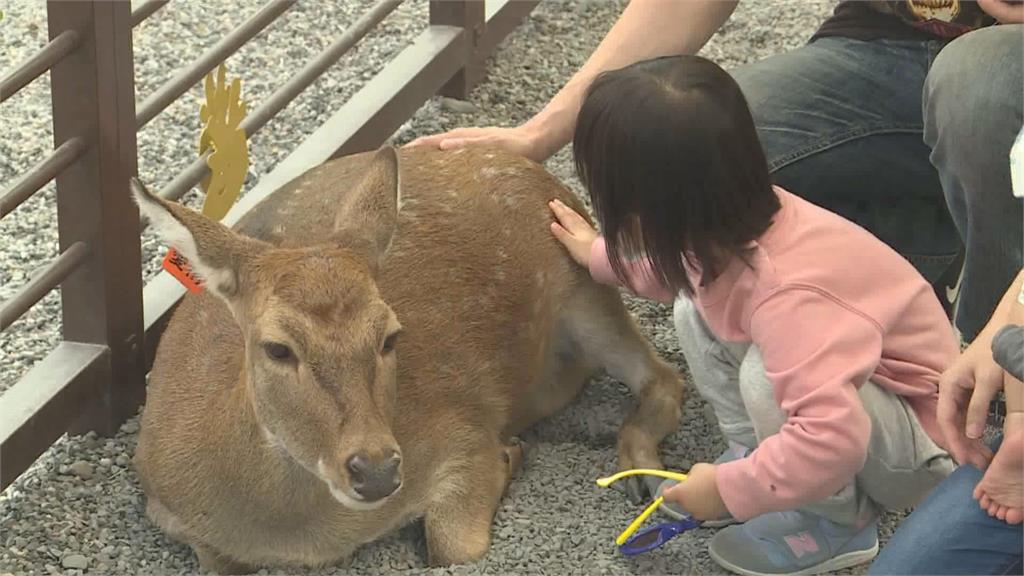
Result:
[{"x": 458, "y": 522}]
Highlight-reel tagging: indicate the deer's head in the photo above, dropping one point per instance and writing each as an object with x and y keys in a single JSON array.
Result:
[{"x": 320, "y": 360}]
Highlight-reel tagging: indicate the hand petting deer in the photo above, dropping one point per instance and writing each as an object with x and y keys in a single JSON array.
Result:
[{"x": 369, "y": 341}]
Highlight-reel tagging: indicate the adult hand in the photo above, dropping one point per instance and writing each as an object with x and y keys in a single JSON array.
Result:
[
  {"x": 575, "y": 233},
  {"x": 1005, "y": 11},
  {"x": 965, "y": 391},
  {"x": 520, "y": 140},
  {"x": 698, "y": 494}
]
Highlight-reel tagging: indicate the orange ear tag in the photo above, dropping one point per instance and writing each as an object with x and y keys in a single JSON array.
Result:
[{"x": 179, "y": 267}]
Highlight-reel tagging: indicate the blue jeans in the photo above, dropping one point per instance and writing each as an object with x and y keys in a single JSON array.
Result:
[
  {"x": 897, "y": 136},
  {"x": 950, "y": 534}
]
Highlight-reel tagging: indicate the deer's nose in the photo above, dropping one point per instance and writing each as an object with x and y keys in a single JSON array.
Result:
[{"x": 374, "y": 479}]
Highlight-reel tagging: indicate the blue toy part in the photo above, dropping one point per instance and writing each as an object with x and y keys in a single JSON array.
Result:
[{"x": 656, "y": 536}]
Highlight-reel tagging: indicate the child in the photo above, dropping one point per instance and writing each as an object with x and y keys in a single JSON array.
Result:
[{"x": 818, "y": 347}]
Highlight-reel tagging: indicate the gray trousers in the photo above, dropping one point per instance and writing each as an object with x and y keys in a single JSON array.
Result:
[{"x": 903, "y": 463}]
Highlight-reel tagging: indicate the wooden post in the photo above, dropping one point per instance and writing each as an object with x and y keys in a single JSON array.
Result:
[
  {"x": 468, "y": 15},
  {"x": 93, "y": 93}
]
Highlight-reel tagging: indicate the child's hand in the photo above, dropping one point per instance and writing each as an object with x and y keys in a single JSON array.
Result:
[
  {"x": 573, "y": 232},
  {"x": 698, "y": 494}
]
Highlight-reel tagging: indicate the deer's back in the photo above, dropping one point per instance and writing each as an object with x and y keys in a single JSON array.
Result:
[{"x": 473, "y": 272}]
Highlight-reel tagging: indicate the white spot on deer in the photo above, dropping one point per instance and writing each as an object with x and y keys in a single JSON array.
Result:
[
  {"x": 489, "y": 155},
  {"x": 542, "y": 279},
  {"x": 488, "y": 172}
]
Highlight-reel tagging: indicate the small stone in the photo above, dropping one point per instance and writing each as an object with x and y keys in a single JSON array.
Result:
[
  {"x": 130, "y": 427},
  {"x": 121, "y": 460},
  {"x": 75, "y": 561},
  {"x": 105, "y": 462},
  {"x": 458, "y": 106},
  {"x": 82, "y": 469}
]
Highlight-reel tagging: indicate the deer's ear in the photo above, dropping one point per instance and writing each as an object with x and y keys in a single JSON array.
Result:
[
  {"x": 367, "y": 219},
  {"x": 215, "y": 252}
]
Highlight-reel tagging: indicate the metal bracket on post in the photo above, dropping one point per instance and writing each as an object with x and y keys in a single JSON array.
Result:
[
  {"x": 470, "y": 16},
  {"x": 93, "y": 93}
]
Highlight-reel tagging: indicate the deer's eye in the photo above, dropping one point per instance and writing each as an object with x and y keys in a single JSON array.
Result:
[
  {"x": 389, "y": 343},
  {"x": 277, "y": 351}
]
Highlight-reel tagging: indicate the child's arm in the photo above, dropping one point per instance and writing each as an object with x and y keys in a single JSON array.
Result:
[
  {"x": 968, "y": 386},
  {"x": 816, "y": 353}
]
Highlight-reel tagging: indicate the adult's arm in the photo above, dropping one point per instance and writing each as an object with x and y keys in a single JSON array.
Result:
[{"x": 646, "y": 29}]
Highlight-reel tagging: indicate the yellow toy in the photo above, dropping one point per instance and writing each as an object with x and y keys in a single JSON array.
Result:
[{"x": 655, "y": 536}]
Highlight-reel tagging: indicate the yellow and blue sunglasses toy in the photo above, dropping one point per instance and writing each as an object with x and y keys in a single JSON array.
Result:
[{"x": 649, "y": 538}]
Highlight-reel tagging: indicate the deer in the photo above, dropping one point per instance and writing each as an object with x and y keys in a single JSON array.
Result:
[{"x": 369, "y": 342}]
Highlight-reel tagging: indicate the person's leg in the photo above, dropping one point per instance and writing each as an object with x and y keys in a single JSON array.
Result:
[
  {"x": 840, "y": 532},
  {"x": 972, "y": 113},
  {"x": 902, "y": 465},
  {"x": 950, "y": 534},
  {"x": 840, "y": 121},
  {"x": 714, "y": 370}
]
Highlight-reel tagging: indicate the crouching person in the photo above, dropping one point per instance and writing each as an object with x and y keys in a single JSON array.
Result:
[{"x": 819, "y": 347}]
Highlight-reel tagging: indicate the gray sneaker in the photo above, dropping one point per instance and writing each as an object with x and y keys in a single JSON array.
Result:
[
  {"x": 792, "y": 543},
  {"x": 674, "y": 511}
]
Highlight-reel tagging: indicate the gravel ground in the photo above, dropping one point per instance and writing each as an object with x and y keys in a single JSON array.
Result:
[{"x": 79, "y": 509}]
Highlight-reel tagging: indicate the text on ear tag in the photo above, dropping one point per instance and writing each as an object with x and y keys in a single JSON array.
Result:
[{"x": 179, "y": 267}]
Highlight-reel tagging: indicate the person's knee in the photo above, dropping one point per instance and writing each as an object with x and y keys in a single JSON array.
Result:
[{"x": 973, "y": 86}]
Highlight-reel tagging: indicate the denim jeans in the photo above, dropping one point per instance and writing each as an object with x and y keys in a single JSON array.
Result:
[
  {"x": 950, "y": 534},
  {"x": 897, "y": 136}
]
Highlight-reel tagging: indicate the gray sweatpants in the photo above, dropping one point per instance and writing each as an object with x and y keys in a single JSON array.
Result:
[{"x": 903, "y": 463}]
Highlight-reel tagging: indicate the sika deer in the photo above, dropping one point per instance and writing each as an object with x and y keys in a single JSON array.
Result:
[{"x": 364, "y": 351}]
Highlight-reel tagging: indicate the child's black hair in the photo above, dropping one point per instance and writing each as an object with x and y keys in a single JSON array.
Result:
[{"x": 669, "y": 154}]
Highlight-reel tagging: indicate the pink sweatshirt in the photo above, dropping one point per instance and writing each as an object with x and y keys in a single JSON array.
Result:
[{"x": 829, "y": 306}]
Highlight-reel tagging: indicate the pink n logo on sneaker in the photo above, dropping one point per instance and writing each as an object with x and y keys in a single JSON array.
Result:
[{"x": 802, "y": 543}]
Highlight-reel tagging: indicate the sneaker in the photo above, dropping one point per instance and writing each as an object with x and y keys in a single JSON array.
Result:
[
  {"x": 674, "y": 511},
  {"x": 793, "y": 543}
]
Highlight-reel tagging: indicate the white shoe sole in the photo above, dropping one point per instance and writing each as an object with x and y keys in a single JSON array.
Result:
[
  {"x": 847, "y": 560},
  {"x": 706, "y": 524}
]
